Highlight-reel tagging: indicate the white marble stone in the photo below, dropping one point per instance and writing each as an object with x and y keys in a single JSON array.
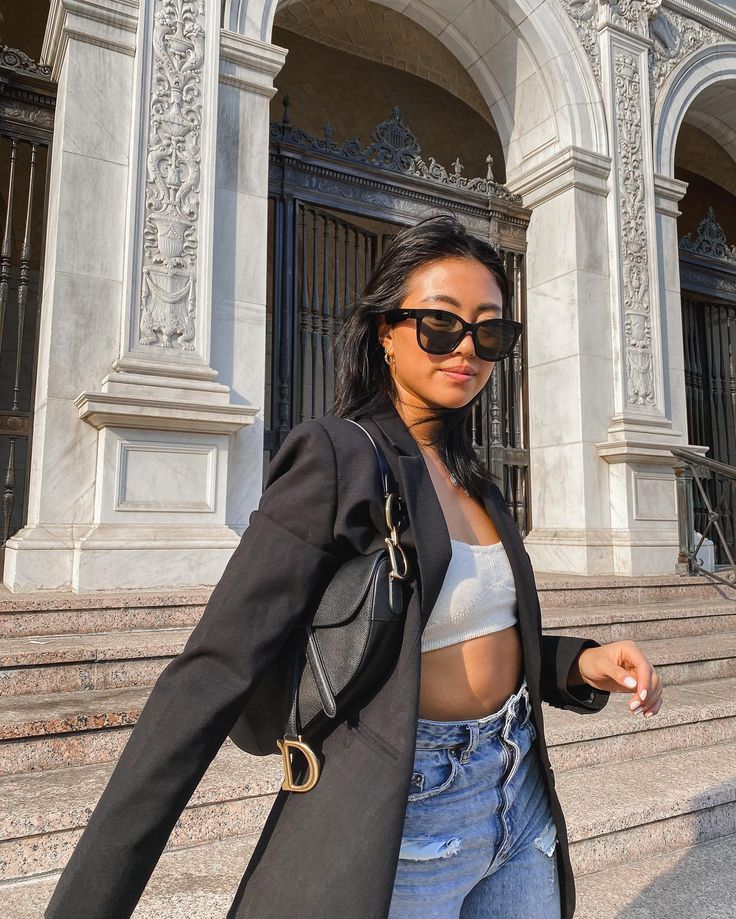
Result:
[
  {"x": 160, "y": 477},
  {"x": 101, "y": 114},
  {"x": 484, "y": 27},
  {"x": 240, "y": 246},
  {"x": 62, "y": 465},
  {"x": 570, "y": 315},
  {"x": 241, "y": 165},
  {"x": 75, "y": 355}
]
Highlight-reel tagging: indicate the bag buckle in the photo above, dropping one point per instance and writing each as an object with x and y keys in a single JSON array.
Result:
[
  {"x": 297, "y": 743},
  {"x": 392, "y": 510}
]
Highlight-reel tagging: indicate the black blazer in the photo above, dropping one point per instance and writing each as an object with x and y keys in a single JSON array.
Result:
[{"x": 332, "y": 852}]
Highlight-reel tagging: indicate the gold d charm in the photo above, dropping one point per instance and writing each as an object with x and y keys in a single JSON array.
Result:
[{"x": 312, "y": 762}]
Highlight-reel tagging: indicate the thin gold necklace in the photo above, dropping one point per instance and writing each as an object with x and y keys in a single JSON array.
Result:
[{"x": 452, "y": 478}]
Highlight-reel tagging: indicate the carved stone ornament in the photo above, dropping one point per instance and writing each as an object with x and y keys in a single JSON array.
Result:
[
  {"x": 633, "y": 15},
  {"x": 675, "y": 36},
  {"x": 634, "y": 242},
  {"x": 394, "y": 148},
  {"x": 19, "y": 60},
  {"x": 584, "y": 16},
  {"x": 168, "y": 297},
  {"x": 710, "y": 240}
]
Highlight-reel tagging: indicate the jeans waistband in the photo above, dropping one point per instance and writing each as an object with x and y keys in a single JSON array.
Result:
[{"x": 438, "y": 734}]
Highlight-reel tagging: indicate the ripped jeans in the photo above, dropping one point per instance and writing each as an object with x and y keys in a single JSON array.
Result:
[{"x": 479, "y": 838}]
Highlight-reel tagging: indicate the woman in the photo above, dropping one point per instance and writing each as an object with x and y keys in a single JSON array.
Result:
[{"x": 436, "y": 798}]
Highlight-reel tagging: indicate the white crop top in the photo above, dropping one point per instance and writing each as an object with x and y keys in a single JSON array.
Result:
[{"x": 478, "y": 596}]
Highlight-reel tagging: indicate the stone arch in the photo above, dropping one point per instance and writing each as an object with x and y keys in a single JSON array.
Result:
[
  {"x": 540, "y": 87},
  {"x": 696, "y": 73}
]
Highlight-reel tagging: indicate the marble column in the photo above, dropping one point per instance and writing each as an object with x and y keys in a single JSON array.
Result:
[
  {"x": 131, "y": 470},
  {"x": 568, "y": 331},
  {"x": 642, "y": 428}
]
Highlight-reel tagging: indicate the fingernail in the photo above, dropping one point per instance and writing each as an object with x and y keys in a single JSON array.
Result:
[
  {"x": 643, "y": 695},
  {"x": 636, "y": 710},
  {"x": 647, "y": 714},
  {"x": 630, "y": 682},
  {"x": 634, "y": 704}
]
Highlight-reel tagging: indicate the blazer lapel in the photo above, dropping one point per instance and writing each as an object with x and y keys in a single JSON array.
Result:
[{"x": 431, "y": 538}]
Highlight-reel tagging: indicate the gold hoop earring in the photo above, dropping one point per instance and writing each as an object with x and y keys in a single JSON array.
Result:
[{"x": 387, "y": 356}]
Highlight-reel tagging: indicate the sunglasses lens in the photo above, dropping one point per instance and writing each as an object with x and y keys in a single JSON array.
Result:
[
  {"x": 495, "y": 340},
  {"x": 439, "y": 333}
]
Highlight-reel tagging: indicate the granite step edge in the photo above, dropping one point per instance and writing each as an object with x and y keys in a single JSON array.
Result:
[
  {"x": 38, "y": 651},
  {"x": 53, "y": 800},
  {"x": 607, "y": 798},
  {"x": 682, "y": 703}
]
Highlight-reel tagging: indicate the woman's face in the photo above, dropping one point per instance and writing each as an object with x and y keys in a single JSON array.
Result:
[{"x": 463, "y": 286}]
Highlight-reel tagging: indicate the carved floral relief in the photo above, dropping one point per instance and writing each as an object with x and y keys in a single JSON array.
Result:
[
  {"x": 168, "y": 296},
  {"x": 634, "y": 242}
]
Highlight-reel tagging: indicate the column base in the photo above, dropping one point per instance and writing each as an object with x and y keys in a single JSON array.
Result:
[
  {"x": 117, "y": 557},
  {"x": 631, "y": 553}
]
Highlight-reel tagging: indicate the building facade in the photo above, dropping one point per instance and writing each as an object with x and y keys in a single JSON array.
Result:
[{"x": 220, "y": 179}]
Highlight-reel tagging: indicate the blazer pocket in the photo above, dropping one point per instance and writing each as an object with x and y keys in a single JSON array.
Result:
[{"x": 375, "y": 740}]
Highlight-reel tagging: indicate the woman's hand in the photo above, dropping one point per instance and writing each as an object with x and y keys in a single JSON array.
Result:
[{"x": 618, "y": 666}]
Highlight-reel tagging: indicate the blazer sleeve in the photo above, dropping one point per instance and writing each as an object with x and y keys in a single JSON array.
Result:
[
  {"x": 558, "y": 655},
  {"x": 286, "y": 554}
]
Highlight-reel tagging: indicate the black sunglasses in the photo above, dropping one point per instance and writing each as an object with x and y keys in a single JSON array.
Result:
[{"x": 439, "y": 332}]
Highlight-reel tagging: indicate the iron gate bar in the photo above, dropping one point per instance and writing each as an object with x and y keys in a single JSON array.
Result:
[
  {"x": 27, "y": 104},
  {"x": 693, "y": 464},
  {"x": 708, "y": 282}
]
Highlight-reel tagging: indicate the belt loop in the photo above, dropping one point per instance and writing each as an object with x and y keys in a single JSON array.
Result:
[{"x": 472, "y": 743}]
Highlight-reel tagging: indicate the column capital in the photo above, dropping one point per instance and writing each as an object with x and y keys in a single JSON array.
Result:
[
  {"x": 249, "y": 64},
  {"x": 668, "y": 192},
  {"x": 572, "y": 167},
  {"x": 109, "y": 23},
  {"x": 629, "y": 17}
]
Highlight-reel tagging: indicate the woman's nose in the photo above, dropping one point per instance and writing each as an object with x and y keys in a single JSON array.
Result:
[{"x": 467, "y": 348}]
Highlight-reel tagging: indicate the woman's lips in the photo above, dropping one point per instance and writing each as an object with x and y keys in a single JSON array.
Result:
[{"x": 460, "y": 377}]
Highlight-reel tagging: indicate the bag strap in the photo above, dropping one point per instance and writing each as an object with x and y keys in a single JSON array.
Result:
[
  {"x": 393, "y": 509},
  {"x": 387, "y": 477},
  {"x": 394, "y": 506}
]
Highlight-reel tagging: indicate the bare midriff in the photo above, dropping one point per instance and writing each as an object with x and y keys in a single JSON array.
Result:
[{"x": 471, "y": 678}]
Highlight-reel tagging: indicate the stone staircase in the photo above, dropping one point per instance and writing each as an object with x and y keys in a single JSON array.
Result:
[
  {"x": 656, "y": 797},
  {"x": 647, "y": 800}
]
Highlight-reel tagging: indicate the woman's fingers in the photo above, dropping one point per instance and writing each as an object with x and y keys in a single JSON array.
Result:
[{"x": 630, "y": 667}]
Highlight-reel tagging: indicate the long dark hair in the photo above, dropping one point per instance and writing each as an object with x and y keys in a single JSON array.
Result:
[{"x": 363, "y": 382}]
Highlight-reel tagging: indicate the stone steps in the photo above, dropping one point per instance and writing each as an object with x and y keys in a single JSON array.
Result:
[
  {"x": 198, "y": 882},
  {"x": 66, "y": 728},
  {"x": 565, "y": 591},
  {"x": 100, "y": 660},
  {"x": 692, "y": 658},
  {"x": 640, "y": 622},
  {"x": 616, "y": 812},
  {"x": 53, "y": 613},
  {"x": 74, "y": 677},
  {"x": 694, "y": 881},
  {"x": 106, "y": 660},
  {"x": 693, "y": 715},
  {"x": 43, "y": 813}
]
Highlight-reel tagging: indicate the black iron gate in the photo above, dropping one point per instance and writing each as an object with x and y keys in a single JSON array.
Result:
[
  {"x": 708, "y": 282},
  {"x": 26, "y": 122},
  {"x": 332, "y": 210}
]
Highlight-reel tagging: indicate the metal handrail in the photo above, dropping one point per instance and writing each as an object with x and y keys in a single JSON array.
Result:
[{"x": 693, "y": 464}]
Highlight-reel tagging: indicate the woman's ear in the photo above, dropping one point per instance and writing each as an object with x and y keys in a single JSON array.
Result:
[{"x": 383, "y": 329}]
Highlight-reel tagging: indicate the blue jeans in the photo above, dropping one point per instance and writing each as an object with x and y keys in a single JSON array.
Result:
[{"x": 479, "y": 838}]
